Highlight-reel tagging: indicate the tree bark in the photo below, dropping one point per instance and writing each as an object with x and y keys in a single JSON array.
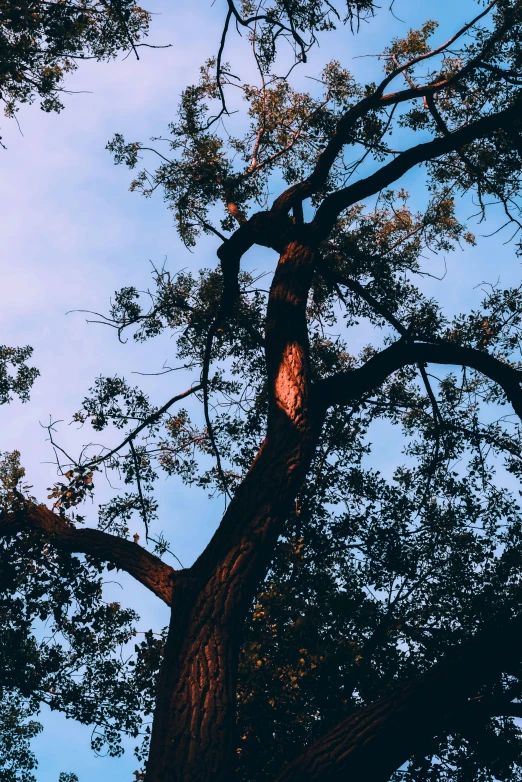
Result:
[
  {"x": 376, "y": 740},
  {"x": 193, "y": 737},
  {"x": 194, "y": 723}
]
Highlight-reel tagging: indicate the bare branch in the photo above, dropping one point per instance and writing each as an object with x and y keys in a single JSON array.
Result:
[{"x": 204, "y": 384}]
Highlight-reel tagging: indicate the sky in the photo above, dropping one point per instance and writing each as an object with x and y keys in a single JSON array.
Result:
[{"x": 72, "y": 234}]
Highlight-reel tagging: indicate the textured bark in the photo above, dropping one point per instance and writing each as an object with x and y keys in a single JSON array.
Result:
[
  {"x": 375, "y": 741},
  {"x": 193, "y": 735},
  {"x": 146, "y": 568},
  {"x": 194, "y": 725},
  {"x": 193, "y": 738}
]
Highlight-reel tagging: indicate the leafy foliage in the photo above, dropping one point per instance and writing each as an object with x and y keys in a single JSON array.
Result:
[
  {"x": 16, "y": 731},
  {"x": 63, "y": 645},
  {"x": 381, "y": 569},
  {"x": 41, "y": 42},
  {"x": 21, "y": 383}
]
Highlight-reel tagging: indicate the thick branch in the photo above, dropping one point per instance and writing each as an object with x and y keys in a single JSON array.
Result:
[
  {"x": 380, "y": 308},
  {"x": 145, "y": 567},
  {"x": 347, "y": 387},
  {"x": 200, "y": 677},
  {"x": 511, "y": 76},
  {"x": 377, "y": 739},
  {"x": 263, "y": 228},
  {"x": 337, "y": 202}
]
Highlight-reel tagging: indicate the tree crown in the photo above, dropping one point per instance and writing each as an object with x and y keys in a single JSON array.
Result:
[{"x": 376, "y": 574}]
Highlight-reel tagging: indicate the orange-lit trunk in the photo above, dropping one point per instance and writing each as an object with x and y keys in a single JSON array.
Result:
[
  {"x": 193, "y": 737},
  {"x": 194, "y": 726}
]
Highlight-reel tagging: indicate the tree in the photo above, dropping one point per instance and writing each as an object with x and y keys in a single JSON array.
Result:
[{"x": 340, "y": 623}]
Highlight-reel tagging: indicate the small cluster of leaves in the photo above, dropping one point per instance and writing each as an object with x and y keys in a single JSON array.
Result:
[
  {"x": 299, "y": 23},
  {"x": 17, "y": 762},
  {"x": 496, "y": 325},
  {"x": 102, "y": 406},
  {"x": 75, "y": 491},
  {"x": 21, "y": 382}
]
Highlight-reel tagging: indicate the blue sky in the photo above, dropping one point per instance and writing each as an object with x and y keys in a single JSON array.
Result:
[{"x": 72, "y": 234}]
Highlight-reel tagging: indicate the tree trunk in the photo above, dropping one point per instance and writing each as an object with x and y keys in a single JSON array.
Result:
[
  {"x": 193, "y": 736},
  {"x": 194, "y": 724}
]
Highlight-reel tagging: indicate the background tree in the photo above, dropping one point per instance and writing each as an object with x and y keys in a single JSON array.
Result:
[
  {"x": 41, "y": 42},
  {"x": 383, "y": 613}
]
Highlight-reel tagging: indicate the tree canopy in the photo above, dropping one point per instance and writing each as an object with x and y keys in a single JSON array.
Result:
[{"x": 345, "y": 620}]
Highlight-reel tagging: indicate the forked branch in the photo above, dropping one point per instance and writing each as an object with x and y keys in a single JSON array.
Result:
[
  {"x": 334, "y": 204},
  {"x": 378, "y": 100}
]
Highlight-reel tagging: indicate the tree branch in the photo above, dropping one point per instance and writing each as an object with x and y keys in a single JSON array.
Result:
[
  {"x": 401, "y": 68},
  {"x": 377, "y": 100},
  {"x": 337, "y": 202},
  {"x": 510, "y": 76},
  {"x": 346, "y": 387},
  {"x": 148, "y": 421},
  {"x": 263, "y": 228},
  {"x": 145, "y": 567},
  {"x": 377, "y": 739}
]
